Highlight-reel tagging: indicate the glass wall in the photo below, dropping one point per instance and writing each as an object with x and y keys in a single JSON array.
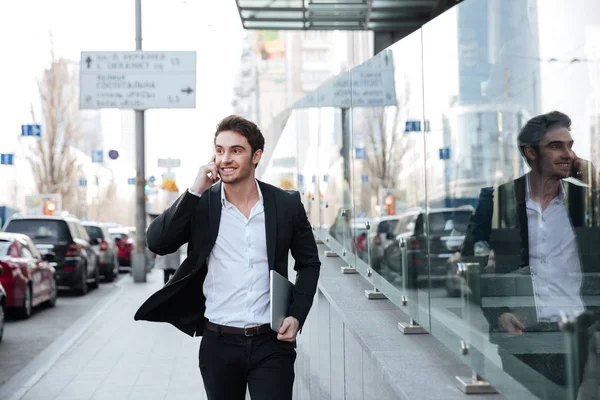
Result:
[{"x": 456, "y": 171}]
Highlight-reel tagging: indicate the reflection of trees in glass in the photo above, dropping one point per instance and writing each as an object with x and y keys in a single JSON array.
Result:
[{"x": 382, "y": 130}]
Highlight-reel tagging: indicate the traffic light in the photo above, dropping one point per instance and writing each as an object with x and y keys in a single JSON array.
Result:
[{"x": 49, "y": 207}]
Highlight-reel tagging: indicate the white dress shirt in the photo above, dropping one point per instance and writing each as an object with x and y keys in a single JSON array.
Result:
[
  {"x": 553, "y": 259},
  {"x": 237, "y": 283}
]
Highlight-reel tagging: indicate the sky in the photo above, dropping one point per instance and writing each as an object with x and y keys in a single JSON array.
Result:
[{"x": 211, "y": 28}]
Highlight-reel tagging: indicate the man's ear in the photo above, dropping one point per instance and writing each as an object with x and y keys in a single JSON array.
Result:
[
  {"x": 257, "y": 156},
  {"x": 530, "y": 153}
]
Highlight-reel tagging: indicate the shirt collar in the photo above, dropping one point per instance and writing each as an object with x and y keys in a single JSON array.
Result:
[
  {"x": 227, "y": 204},
  {"x": 561, "y": 197}
]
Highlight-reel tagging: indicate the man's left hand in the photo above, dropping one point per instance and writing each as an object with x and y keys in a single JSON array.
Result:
[{"x": 289, "y": 330}]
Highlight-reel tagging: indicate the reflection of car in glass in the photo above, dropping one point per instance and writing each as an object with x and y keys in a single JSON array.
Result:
[
  {"x": 65, "y": 238},
  {"x": 446, "y": 232},
  {"x": 378, "y": 238},
  {"x": 27, "y": 277},
  {"x": 124, "y": 240},
  {"x": 105, "y": 248}
]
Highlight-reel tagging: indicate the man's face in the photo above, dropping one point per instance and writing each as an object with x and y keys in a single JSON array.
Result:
[
  {"x": 555, "y": 156},
  {"x": 234, "y": 158}
]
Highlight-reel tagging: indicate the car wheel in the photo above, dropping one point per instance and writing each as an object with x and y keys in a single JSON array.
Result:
[
  {"x": 84, "y": 286},
  {"x": 25, "y": 310},
  {"x": 2, "y": 314},
  {"x": 96, "y": 282},
  {"x": 53, "y": 294}
]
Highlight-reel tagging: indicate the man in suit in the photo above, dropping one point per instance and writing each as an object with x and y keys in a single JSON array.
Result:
[
  {"x": 237, "y": 229},
  {"x": 533, "y": 232}
]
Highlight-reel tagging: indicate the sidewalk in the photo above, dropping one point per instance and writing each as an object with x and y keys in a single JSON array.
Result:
[{"x": 114, "y": 357}]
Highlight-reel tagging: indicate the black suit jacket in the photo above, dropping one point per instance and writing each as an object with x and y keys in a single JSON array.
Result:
[{"x": 195, "y": 220}]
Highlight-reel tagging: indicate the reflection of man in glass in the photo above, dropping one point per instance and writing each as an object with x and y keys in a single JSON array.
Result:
[{"x": 530, "y": 229}]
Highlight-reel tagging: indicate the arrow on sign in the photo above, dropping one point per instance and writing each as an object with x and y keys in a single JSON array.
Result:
[
  {"x": 88, "y": 61},
  {"x": 187, "y": 90}
]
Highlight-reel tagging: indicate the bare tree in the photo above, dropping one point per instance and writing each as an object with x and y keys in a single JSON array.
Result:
[
  {"x": 382, "y": 138},
  {"x": 53, "y": 157}
]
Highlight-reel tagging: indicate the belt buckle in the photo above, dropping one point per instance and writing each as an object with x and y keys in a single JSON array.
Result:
[{"x": 253, "y": 331}]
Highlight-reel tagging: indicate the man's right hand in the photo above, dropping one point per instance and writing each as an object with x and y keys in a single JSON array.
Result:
[
  {"x": 207, "y": 176},
  {"x": 510, "y": 323}
]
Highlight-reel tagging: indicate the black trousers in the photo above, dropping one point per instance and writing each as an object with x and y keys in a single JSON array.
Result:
[{"x": 229, "y": 363}]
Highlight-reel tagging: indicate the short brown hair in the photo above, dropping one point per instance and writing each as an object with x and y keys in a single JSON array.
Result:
[
  {"x": 244, "y": 127},
  {"x": 534, "y": 130}
]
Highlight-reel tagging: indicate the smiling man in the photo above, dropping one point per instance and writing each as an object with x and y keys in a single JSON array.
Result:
[{"x": 237, "y": 229}]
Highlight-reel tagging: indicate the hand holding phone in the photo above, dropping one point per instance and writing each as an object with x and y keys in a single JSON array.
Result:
[{"x": 207, "y": 176}]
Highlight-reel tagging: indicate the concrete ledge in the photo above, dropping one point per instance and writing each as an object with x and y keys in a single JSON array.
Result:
[{"x": 406, "y": 367}]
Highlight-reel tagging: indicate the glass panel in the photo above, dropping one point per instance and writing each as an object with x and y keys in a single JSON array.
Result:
[
  {"x": 515, "y": 281},
  {"x": 388, "y": 175}
]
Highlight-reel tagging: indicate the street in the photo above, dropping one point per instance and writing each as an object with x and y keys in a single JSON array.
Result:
[{"x": 25, "y": 339}]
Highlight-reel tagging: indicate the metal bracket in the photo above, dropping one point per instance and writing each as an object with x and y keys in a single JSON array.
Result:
[
  {"x": 318, "y": 241},
  {"x": 411, "y": 328},
  {"x": 474, "y": 385},
  {"x": 374, "y": 294},
  {"x": 348, "y": 270},
  {"x": 330, "y": 253}
]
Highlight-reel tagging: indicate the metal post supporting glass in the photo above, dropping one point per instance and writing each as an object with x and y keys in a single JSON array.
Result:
[{"x": 412, "y": 327}]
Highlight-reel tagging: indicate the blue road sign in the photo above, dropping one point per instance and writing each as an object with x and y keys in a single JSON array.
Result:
[
  {"x": 83, "y": 182},
  {"x": 364, "y": 178},
  {"x": 131, "y": 181},
  {"x": 325, "y": 178},
  {"x": 314, "y": 179},
  {"x": 300, "y": 178},
  {"x": 7, "y": 159},
  {"x": 31, "y": 130},
  {"x": 445, "y": 153},
  {"x": 113, "y": 154},
  {"x": 360, "y": 153},
  {"x": 152, "y": 179},
  {"x": 97, "y": 156},
  {"x": 412, "y": 126}
]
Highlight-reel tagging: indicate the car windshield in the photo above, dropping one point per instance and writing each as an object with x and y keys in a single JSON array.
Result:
[
  {"x": 41, "y": 230},
  {"x": 4, "y": 247},
  {"x": 94, "y": 232}
]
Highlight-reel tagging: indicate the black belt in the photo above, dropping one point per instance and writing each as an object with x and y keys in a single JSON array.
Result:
[{"x": 252, "y": 331}]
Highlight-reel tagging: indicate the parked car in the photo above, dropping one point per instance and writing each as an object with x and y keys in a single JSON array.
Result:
[
  {"x": 27, "y": 277},
  {"x": 67, "y": 242},
  {"x": 2, "y": 308},
  {"x": 105, "y": 248},
  {"x": 431, "y": 239},
  {"x": 125, "y": 242}
]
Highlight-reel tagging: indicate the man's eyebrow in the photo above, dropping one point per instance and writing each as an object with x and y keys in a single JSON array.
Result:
[{"x": 235, "y": 146}]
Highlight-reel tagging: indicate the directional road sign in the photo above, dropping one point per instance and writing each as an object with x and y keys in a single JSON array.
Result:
[
  {"x": 7, "y": 159},
  {"x": 138, "y": 80},
  {"x": 152, "y": 179},
  {"x": 31, "y": 130}
]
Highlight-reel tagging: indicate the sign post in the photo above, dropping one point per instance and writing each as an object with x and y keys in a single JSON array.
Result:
[{"x": 138, "y": 80}]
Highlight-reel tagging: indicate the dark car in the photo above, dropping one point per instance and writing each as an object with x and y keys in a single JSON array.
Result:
[
  {"x": 105, "y": 248},
  {"x": 69, "y": 245},
  {"x": 27, "y": 277},
  {"x": 431, "y": 238}
]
